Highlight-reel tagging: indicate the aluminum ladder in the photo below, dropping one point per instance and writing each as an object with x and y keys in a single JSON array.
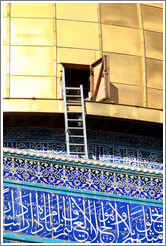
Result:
[{"x": 75, "y": 124}]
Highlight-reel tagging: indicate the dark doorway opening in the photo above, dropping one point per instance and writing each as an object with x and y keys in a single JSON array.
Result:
[{"x": 74, "y": 77}]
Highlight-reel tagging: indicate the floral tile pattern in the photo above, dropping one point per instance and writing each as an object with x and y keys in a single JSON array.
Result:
[
  {"x": 83, "y": 178},
  {"x": 79, "y": 217}
]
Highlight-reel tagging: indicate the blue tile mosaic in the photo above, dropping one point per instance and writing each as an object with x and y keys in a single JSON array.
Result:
[
  {"x": 104, "y": 146},
  {"x": 81, "y": 177},
  {"x": 81, "y": 219},
  {"x": 25, "y": 133},
  {"x": 11, "y": 241},
  {"x": 49, "y": 215}
]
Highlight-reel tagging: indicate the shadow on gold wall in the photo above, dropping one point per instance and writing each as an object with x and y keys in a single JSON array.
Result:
[{"x": 114, "y": 96}]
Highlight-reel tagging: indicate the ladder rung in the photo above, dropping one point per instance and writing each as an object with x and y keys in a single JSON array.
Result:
[
  {"x": 74, "y": 104},
  {"x": 74, "y": 112},
  {"x": 70, "y": 127},
  {"x": 78, "y": 144},
  {"x": 75, "y": 119},
  {"x": 73, "y": 88},
  {"x": 76, "y": 136},
  {"x": 73, "y": 96}
]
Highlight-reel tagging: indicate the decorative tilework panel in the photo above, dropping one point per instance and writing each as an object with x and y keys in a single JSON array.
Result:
[
  {"x": 81, "y": 177},
  {"x": 109, "y": 147},
  {"x": 79, "y": 218},
  {"x": 108, "y": 153},
  {"x": 93, "y": 136}
]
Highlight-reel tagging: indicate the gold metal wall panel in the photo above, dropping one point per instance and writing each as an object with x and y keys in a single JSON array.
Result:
[
  {"x": 31, "y": 105},
  {"x": 32, "y": 31},
  {"x": 59, "y": 89},
  {"x": 5, "y": 60},
  {"x": 154, "y": 73},
  {"x": 124, "y": 111},
  {"x": 77, "y": 11},
  {"x": 99, "y": 54},
  {"x": 124, "y": 14},
  {"x": 154, "y": 45},
  {"x": 77, "y": 34},
  {"x": 121, "y": 40},
  {"x": 32, "y": 87},
  {"x": 125, "y": 69},
  {"x": 126, "y": 94},
  {"x": 151, "y": 115},
  {"x": 76, "y": 56},
  {"x": 159, "y": 5},
  {"x": 152, "y": 18},
  {"x": 5, "y": 31},
  {"x": 5, "y": 86},
  {"x": 4, "y": 6},
  {"x": 127, "y": 112},
  {"x": 78, "y": 37},
  {"x": 155, "y": 98},
  {"x": 38, "y": 10},
  {"x": 102, "y": 109},
  {"x": 18, "y": 105},
  {"x": 50, "y": 106},
  {"x": 59, "y": 69},
  {"x": 32, "y": 61}
]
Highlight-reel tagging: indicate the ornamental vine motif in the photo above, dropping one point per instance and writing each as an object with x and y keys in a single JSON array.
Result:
[{"x": 83, "y": 178}]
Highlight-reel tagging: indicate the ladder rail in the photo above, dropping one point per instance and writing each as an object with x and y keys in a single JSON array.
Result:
[
  {"x": 84, "y": 123},
  {"x": 65, "y": 105}
]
